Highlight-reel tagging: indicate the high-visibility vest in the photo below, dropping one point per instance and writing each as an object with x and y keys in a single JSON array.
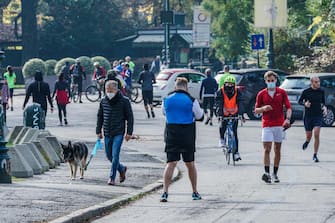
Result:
[{"x": 230, "y": 104}]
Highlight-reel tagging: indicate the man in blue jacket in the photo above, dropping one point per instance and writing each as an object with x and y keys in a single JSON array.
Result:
[
  {"x": 181, "y": 111},
  {"x": 207, "y": 93}
]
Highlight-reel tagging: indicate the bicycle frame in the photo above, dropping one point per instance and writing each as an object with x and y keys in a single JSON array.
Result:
[{"x": 229, "y": 138}]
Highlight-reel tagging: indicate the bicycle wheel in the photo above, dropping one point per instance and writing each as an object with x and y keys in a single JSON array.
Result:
[
  {"x": 133, "y": 94},
  {"x": 139, "y": 97},
  {"x": 92, "y": 93},
  {"x": 74, "y": 95},
  {"x": 228, "y": 149},
  {"x": 233, "y": 146}
]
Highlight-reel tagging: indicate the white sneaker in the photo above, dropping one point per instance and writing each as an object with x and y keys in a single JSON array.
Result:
[
  {"x": 222, "y": 143},
  {"x": 275, "y": 178},
  {"x": 237, "y": 157}
]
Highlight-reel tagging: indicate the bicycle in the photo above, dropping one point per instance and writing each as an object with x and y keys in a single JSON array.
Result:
[
  {"x": 74, "y": 91},
  {"x": 229, "y": 138},
  {"x": 135, "y": 94},
  {"x": 93, "y": 92}
]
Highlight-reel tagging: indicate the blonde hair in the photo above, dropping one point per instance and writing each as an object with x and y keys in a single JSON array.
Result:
[{"x": 181, "y": 83}]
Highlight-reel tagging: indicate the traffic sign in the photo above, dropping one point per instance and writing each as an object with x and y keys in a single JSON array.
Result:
[{"x": 257, "y": 42}]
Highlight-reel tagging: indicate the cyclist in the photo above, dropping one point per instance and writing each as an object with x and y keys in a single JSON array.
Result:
[
  {"x": 77, "y": 72},
  {"x": 229, "y": 104},
  {"x": 99, "y": 74}
]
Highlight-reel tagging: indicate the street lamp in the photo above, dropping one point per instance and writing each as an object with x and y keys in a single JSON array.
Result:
[{"x": 166, "y": 19}]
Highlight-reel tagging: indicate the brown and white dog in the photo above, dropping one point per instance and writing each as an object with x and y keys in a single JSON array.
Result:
[{"x": 76, "y": 154}]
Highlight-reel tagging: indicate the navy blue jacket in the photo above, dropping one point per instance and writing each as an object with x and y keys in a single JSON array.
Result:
[{"x": 209, "y": 86}]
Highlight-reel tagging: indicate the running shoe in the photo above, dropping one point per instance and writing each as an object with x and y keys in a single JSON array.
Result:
[
  {"x": 275, "y": 178},
  {"x": 196, "y": 196},
  {"x": 266, "y": 178},
  {"x": 237, "y": 157},
  {"x": 152, "y": 114},
  {"x": 164, "y": 197},
  {"x": 315, "y": 158},
  {"x": 222, "y": 143},
  {"x": 304, "y": 146},
  {"x": 207, "y": 121},
  {"x": 65, "y": 121}
]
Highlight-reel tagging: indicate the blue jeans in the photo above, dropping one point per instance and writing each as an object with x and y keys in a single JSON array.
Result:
[{"x": 112, "y": 148}]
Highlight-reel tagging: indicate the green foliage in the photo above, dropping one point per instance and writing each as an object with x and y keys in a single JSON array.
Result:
[
  {"x": 103, "y": 62},
  {"x": 61, "y": 63},
  {"x": 87, "y": 63},
  {"x": 31, "y": 66},
  {"x": 231, "y": 26},
  {"x": 81, "y": 27},
  {"x": 50, "y": 65}
]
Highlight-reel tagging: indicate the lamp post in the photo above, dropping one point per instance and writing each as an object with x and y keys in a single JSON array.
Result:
[
  {"x": 270, "y": 53},
  {"x": 167, "y": 22},
  {"x": 5, "y": 176}
]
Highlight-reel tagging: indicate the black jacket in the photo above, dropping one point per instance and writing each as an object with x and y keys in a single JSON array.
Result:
[
  {"x": 41, "y": 92},
  {"x": 113, "y": 115}
]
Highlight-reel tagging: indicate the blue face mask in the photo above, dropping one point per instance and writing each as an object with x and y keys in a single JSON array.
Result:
[{"x": 271, "y": 85}]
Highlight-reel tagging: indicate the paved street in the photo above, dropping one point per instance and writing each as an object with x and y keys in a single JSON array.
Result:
[{"x": 230, "y": 193}]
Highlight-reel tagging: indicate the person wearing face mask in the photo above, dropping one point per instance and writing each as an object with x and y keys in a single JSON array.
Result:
[
  {"x": 115, "y": 117},
  {"x": 229, "y": 103},
  {"x": 313, "y": 98},
  {"x": 270, "y": 102}
]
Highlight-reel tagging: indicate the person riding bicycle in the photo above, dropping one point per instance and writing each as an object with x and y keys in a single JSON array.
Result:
[
  {"x": 229, "y": 104},
  {"x": 77, "y": 72},
  {"x": 99, "y": 74}
]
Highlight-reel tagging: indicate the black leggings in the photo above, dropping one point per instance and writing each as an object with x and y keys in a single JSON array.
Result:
[
  {"x": 60, "y": 109},
  {"x": 223, "y": 128}
]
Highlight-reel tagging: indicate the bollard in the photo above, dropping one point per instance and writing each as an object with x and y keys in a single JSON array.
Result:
[
  {"x": 34, "y": 116},
  {"x": 5, "y": 174}
]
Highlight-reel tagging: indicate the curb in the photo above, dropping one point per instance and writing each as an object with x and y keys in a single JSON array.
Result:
[{"x": 106, "y": 207}]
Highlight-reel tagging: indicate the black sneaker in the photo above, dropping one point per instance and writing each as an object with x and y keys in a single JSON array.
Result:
[
  {"x": 196, "y": 196},
  {"x": 304, "y": 146},
  {"x": 65, "y": 121},
  {"x": 80, "y": 102},
  {"x": 275, "y": 178},
  {"x": 207, "y": 121},
  {"x": 315, "y": 158},
  {"x": 148, "y": 114},
  {"x": 152, "y": 114},
  {"x": 164, "y": 197},
  {"x": 266, "y": 178}
]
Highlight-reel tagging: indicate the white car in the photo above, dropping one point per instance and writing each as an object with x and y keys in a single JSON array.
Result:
[{"x": 165, "y": 81}]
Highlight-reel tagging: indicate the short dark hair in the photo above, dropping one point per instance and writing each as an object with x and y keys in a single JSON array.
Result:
[{"x": 146, "y": 66}]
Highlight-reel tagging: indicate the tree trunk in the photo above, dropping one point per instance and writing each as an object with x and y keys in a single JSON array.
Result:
[{"x": 29, "y": 30}]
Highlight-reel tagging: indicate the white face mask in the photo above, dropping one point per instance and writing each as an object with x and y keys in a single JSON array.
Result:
[{"x": 110, "y": 95}]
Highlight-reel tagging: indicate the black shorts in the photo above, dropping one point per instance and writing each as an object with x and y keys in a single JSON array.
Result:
[
  {"x": 208, "y": 102},
  {"x": 175, "y": 156},
  {"x": 79, "y": 81},
  {"x": 311, "y": 122},
  {"x": 11, "y": 92},
  {"x": 147, "y": 97}
]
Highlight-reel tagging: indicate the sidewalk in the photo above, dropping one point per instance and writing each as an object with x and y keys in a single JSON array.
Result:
[{"x": 53, "y": 195}]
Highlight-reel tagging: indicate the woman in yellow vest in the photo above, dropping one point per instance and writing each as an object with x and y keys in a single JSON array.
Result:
[{"x": 229, "y": 103}]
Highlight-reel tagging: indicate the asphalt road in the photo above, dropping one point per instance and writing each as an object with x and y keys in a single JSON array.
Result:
[
  {"x": 237, "y": 193},
  {"x": 230, "y": 193}
]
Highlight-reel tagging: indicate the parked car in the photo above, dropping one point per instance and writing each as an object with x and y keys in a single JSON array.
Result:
[
  {"x": 295, "y": 84},
  {"x": 166, "y": 78},
  {"x": 250, "y": 82}
]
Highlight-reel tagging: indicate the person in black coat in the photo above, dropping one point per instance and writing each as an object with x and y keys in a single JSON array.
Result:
[{"x": 40, "y": 91}]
